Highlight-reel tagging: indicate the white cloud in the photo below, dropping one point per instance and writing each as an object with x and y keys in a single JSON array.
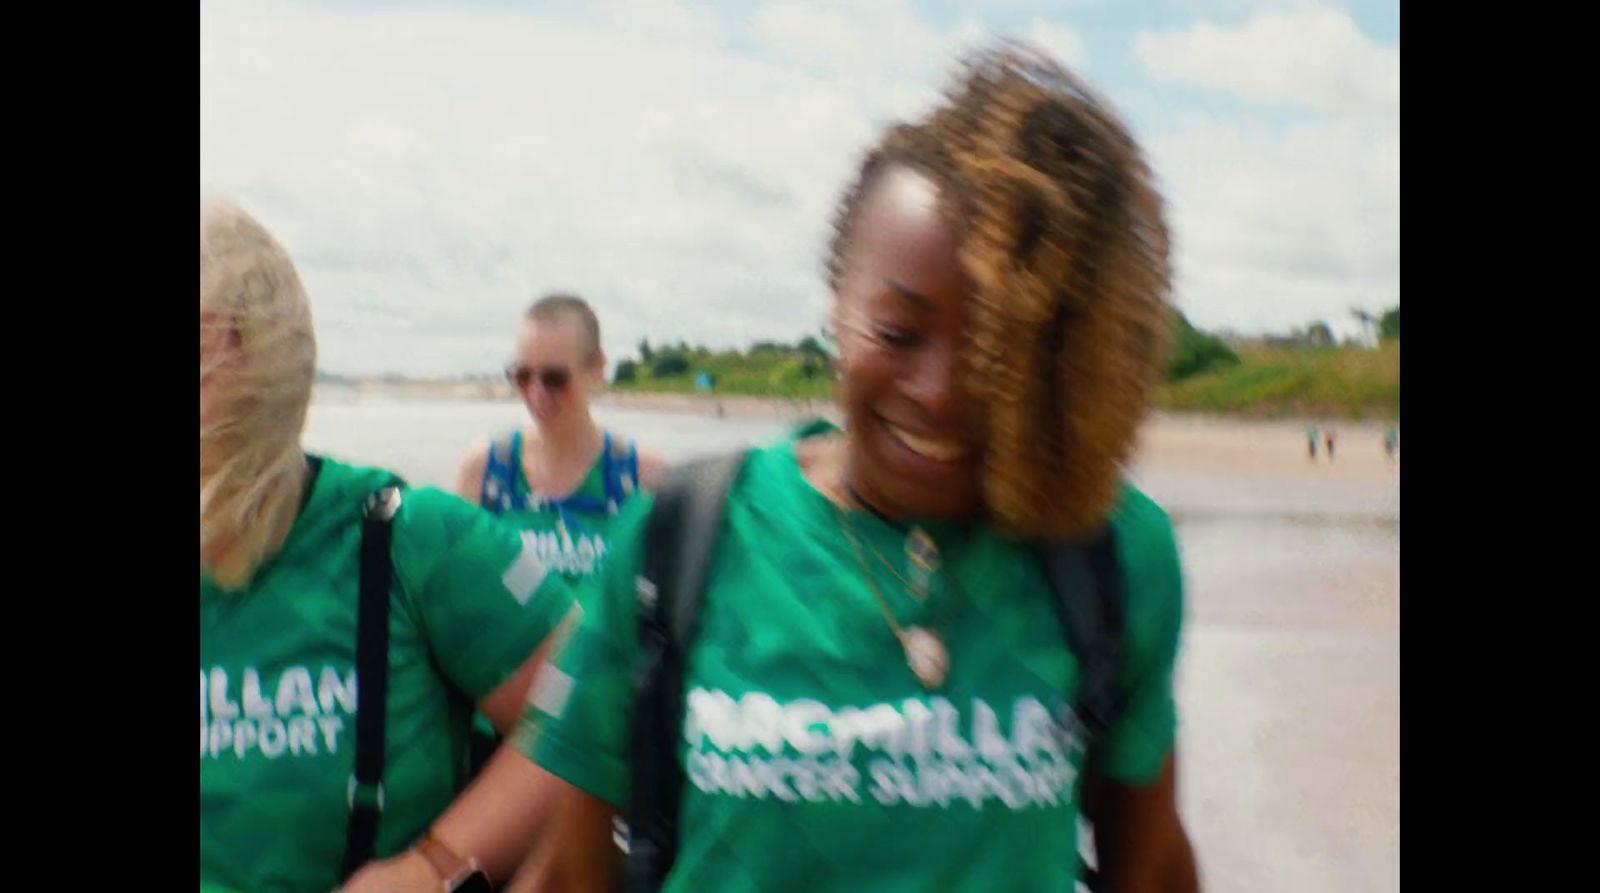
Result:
[
  {"x": 1215, "y": 7},
  {"x": 1060, "y": 41},
  {"x": 1279, "y": 226},
  {"x": 1282, "y": 222},
  {"x": 432, "y": 171},
  {"x": 666, "y": 20},
  {"x": 1312, "y": 57},
  {"x": 878, "y": 51}
]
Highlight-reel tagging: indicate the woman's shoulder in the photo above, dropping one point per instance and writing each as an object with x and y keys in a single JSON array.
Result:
[
  {"x": 1136, "y": 516},
  {"x": 1146, "y": 541},
  {"x": 1147, "y": 548},
  {"x": 347, "y": 482},
  {"x": 435, "y": 515},
  {"x": 775, "y": 466}
]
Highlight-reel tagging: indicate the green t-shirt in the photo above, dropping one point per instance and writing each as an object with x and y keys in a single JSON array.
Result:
[
  {"x": 815, "y": 760},
  {"x": 278, "y": 688},
  {"x": 570, "y": 536}
]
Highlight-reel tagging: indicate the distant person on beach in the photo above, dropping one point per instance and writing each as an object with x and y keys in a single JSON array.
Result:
[
  {"x": 559, "y": 477},
  {"x": 1391, "y": 444},
  {"x": 1328, "y": 437},
  {"x": 1311, "y": 441},
  {"x": 706, "y": 383},
  {"x": 348, "y": 625}
]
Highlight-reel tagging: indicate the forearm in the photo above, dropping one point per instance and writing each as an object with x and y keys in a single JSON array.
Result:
[
  {"x": 498, "y": 818},
  {"x": 578, "y": 854},
  {"x": 1140, "y": 842},
  {"x": 1167, "y": 866}
]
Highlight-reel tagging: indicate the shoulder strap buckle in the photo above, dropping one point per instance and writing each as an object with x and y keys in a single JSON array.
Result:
[
  {"x": 383, "y": 504},
  {"x": 680, "y": 539},
  {"x": 370, "y": 795}
]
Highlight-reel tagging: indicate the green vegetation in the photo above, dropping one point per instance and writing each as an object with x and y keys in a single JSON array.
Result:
[
  {"x": 1301, "y": 374},
  {"x": 1389, "y": 325},
  {"x": 1195, "y": 352},
  {"x": 766, "y": 369},
  {"x": 1273, "y": 382}
]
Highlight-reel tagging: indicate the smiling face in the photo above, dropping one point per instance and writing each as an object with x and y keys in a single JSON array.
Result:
[
  {"x": 903, "y": 297},
  {"x": 556, "y": 370}
]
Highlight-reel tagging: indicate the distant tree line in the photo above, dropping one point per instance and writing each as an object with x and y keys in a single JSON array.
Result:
[
  {"x": 670, "y": 360},
  {"x": 1194, "y": 351}
]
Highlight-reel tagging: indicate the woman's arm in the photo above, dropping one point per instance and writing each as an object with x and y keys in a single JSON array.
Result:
[
  {"x": 498, "y": 817},
  {"x": 1139, "y": 840},
  {"x": 496, "y": 821},
  {"x": 505, "y": 705},
  {"x": 578, "y": 854}
]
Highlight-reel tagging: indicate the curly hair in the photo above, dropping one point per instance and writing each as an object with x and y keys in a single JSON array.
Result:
[{"x": 1063, "y": 234}]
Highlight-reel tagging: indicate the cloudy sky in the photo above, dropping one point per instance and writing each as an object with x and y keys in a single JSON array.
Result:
[{"x": 435, "y": 165}]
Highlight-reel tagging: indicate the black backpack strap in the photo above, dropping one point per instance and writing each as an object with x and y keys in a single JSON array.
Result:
[
  {"x": 1087, "y": 588},
  {"x": 681, "y": 535},
  {"x": 365, "y": 792},
  {"x": 1088, "y": 591}
]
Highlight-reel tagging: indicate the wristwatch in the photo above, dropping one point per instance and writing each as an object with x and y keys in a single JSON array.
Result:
[{"x": 457, "y": 874}]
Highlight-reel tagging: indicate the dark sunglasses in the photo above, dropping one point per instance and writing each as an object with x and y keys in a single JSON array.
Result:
[{"x": 551, "y": 379}]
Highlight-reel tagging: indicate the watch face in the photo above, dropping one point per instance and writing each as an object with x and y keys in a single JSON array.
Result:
[{"x": 477, "y": 882}]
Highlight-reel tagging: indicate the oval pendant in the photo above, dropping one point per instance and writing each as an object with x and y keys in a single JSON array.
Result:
[{"x": 926, "y": 656}]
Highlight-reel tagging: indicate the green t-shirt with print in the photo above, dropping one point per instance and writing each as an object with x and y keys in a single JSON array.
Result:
[
  {"x": 570, "y": 535},
  {"x": 278, "y": 687},
  {"x": 815, "y": 761}
]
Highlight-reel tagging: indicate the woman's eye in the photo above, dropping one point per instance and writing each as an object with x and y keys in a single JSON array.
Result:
[{"x": 898, "y": 337}]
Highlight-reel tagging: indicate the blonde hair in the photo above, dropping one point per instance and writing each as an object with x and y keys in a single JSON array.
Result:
[{"x": 250, "y": 487}]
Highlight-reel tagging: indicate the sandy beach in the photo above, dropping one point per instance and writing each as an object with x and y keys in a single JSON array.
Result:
[
  {"x": 1178, "y": 442},
  {"x": 1169, "y": 441},
  {"x": 1289, "y": 680}
]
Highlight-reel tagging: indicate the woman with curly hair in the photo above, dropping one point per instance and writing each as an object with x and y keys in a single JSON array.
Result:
[{"x": 876, "y": 695}]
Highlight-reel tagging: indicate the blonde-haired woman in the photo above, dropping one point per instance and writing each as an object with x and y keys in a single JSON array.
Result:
[{"x": 287, "y": 703}]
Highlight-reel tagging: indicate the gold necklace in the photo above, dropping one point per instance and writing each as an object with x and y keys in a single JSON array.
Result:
[
  {"x": 925, "y": 652},
  {"x": 922, "y": 553}
]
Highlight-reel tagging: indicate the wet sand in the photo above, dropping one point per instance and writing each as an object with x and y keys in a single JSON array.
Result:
[
  {"x": 1289, "y": 680},
  {"x": 1208, "y": 443},
  {"x": 1173, "y": 442},
  {"x": 1289, "y": 683}
]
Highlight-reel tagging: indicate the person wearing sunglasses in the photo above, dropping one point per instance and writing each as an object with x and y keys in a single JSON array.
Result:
[
  {"x": 323, "y": 585},
  {"x": 561, "y": 478}
]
